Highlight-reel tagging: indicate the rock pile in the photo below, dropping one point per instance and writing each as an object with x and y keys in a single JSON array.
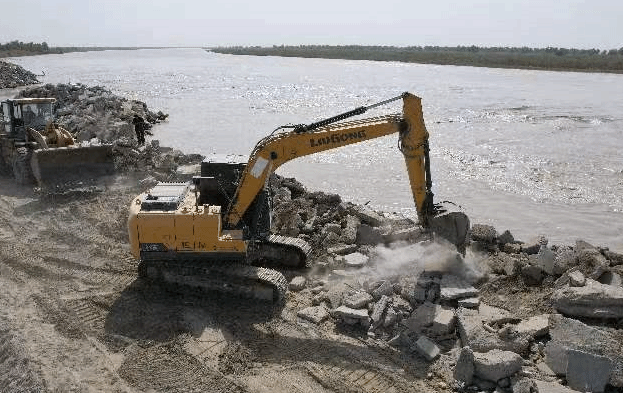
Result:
[
  {"x": 12, "y": 75},
  {"x": 96, "y": 115},
  {"x": 443, "y": 316}
]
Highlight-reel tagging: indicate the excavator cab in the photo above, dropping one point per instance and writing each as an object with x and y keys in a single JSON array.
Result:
[{"x": 39, "y": 150}]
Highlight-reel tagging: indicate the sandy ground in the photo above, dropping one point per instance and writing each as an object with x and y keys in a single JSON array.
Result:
[{"x": 75, "y": 318}]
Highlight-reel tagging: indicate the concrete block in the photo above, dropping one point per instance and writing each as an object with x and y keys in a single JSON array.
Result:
[
  {"x": 368, "y": 216},
  {"x": 587, "y": 372},
  {"x": 348, "y": 314},
  {"x": 470, "y": 302},
  {"x": 576, "y": 279},
  {"x": 315, "y": 314},
  {"x": 355, "y": 259},
  {"x": 593, "y": 300},
  {"x": 443, "y": 321},
  {"x": 536, "y": 326},
  {"x": 378, "y": 311},
  {"x": 385, "y": 289},
  {"x": 427, "y": 348},
  {"x": 464, "y": 369},
  {"x": 483, "y": 233},
  {"x": 342, "y": 249},
  {"x": 506, "y": 237},
  {"x": 495, "y": 364},
  {"x": 357, "y": 299},
  {"x": 391, "y": 317},
  {"x": 422, "y": 317},
  {"x": 298, "y": 283},
  {"x": 452, "y": 287}
]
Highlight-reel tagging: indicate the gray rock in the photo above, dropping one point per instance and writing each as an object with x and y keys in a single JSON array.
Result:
[
  {"x": 564, "y": 259},
  {"x": 452, "y": 226},
  {"x": 614, "y": 258},
  {"x": 470, "y": 324},
  {"x": 453, "y": 287},
  {"x": 484, "y": 233},
  {"x": 594, "y": 300},
  {"x": 342, "y": 249},
  {"x": 591, "y": 262},
  {"x": 532, "y": 275},
  {"x": 443, "y": 321},
  {"x": 545, "y": 260},
  {"x": 369, "y": 235},
  {"x": 550, "y": 387},
  {"x": 576, "y": 279},
  {"x": 427, "y": 348},
  {"x": 379, "y": 310},
  {"x": 495, "y": 364},
  {"x": 611, "y": 278},
  {"x": 421, "y": 318},
  {"x": 411, "y": 234},
  {"x": 349, "y": 233},
  {"x": 391, "y": 317},
  {"x": 506, "y": 237},
  {"x": 588, "y": 372},
  {"x": 536, "y": 326},
  {"x": 470, "y": 302},
  {"x": 464, "y": 369},
  {"x": 385, "y": 289},
  {"x": 569, "y": 334},
  {"x": 511, "y": 248},
  {"x": 352, "y": 316},
  {"x": 413, "y": 293},
  {"x": 315, "y": 314},
  {"x": 512, "y": 266},
  {"x": 357, "y": 300},
  {"x": 368, "y": 216},
  {"x": 355, "y": 259},
  {"x": 298, "y": 283},
  {"x": 527, "y": 385}
]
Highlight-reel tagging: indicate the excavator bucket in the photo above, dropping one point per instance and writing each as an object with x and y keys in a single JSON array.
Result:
[{"x": 62, "y": 167}]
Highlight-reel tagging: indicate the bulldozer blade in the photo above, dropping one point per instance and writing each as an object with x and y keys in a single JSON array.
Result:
[{"x": 67, "y": 166}]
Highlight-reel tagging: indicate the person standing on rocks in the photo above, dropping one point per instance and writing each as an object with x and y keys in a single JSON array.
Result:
[{"x": 139, "y": 128}]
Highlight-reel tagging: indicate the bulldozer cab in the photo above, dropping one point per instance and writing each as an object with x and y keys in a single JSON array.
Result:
[{"x": 20, "y": 114}]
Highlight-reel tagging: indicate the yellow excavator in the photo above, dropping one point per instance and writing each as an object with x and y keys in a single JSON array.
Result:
[{"x": 214, "y": 233}]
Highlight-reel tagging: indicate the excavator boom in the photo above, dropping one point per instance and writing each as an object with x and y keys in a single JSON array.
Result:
[{"x": 278, "y": 148}]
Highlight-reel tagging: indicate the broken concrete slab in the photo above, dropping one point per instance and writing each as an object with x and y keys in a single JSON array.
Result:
[
  {"x": 536, "y": 326},
  {"x": 511, "y": 248},
  {"x": 464, "y": 369},
  {"x": 532, "y": 275},
  {"x": 483, "y": 233},
  {"x": 357, "y": 299},
  {"x": 550, "y": 387},
  {"x": 422, "y": 317},
  {"x": 569, "y": 334},
  {"x": 614, "y": 258},
  {"x": 378, "y": 310},
  {"x": 611, "y": 278},
  {"x": 427, "y": 348},
  {"x": 410, "y": 234},
  {"x": 576, "y": 279},
  {"x": 368, "y": 235},
  {"x": 453, "y": 287},
  {"x": 391, "y": 317},
  {"x": 385, "y": 289},
  {"x": 298, "y": 283},
  {"x": 593, "y": 300},
  {"x": 352, "y": 316},
  {"x": 355, "y": 259},
  {"x": 367, "y": 216},
  {"x": 470, "y": 302},
  {"x": 443, "y": 321},
  {"x": 342, "y": 249},
  {"x": 496, "y": 364},
  {"x": 588, "y": 372},
  {"x": 481, "y": 338},
  {"x": 315, "y": 314}
]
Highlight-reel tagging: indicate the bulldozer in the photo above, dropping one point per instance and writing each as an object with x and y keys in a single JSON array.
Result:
[
  {"x": 37, "y": 150},
  {"x": 214, "y": 233}
]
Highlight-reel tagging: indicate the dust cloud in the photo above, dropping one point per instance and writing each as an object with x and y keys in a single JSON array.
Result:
[{"x": 402, "y": 259}]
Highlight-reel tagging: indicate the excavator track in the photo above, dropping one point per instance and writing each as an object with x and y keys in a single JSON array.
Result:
[
  {"x": 280, "y": 252},
  {"x": 228, "y": 277}
]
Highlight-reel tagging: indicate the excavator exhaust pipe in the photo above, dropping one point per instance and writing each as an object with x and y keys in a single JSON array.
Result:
[{"x": 66, "y": 166}]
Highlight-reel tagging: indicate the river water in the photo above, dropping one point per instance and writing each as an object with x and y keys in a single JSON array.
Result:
[{"x": 535, "y": 152}]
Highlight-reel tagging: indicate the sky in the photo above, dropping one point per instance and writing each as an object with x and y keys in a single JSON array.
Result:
[{"x": 207, "y": 23}]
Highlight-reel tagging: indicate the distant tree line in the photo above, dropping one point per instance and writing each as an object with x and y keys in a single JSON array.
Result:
[
  {"x": 550, "y": 58},
  {"x": 18, "y": 48}
]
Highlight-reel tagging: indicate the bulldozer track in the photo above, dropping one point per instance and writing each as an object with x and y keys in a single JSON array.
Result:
[
  {"x": 280, "y": 252},
  {"x": 366, "y": 379}
]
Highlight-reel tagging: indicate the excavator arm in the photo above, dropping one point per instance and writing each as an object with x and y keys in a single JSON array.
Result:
[{"x": 278, "y": 148}]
